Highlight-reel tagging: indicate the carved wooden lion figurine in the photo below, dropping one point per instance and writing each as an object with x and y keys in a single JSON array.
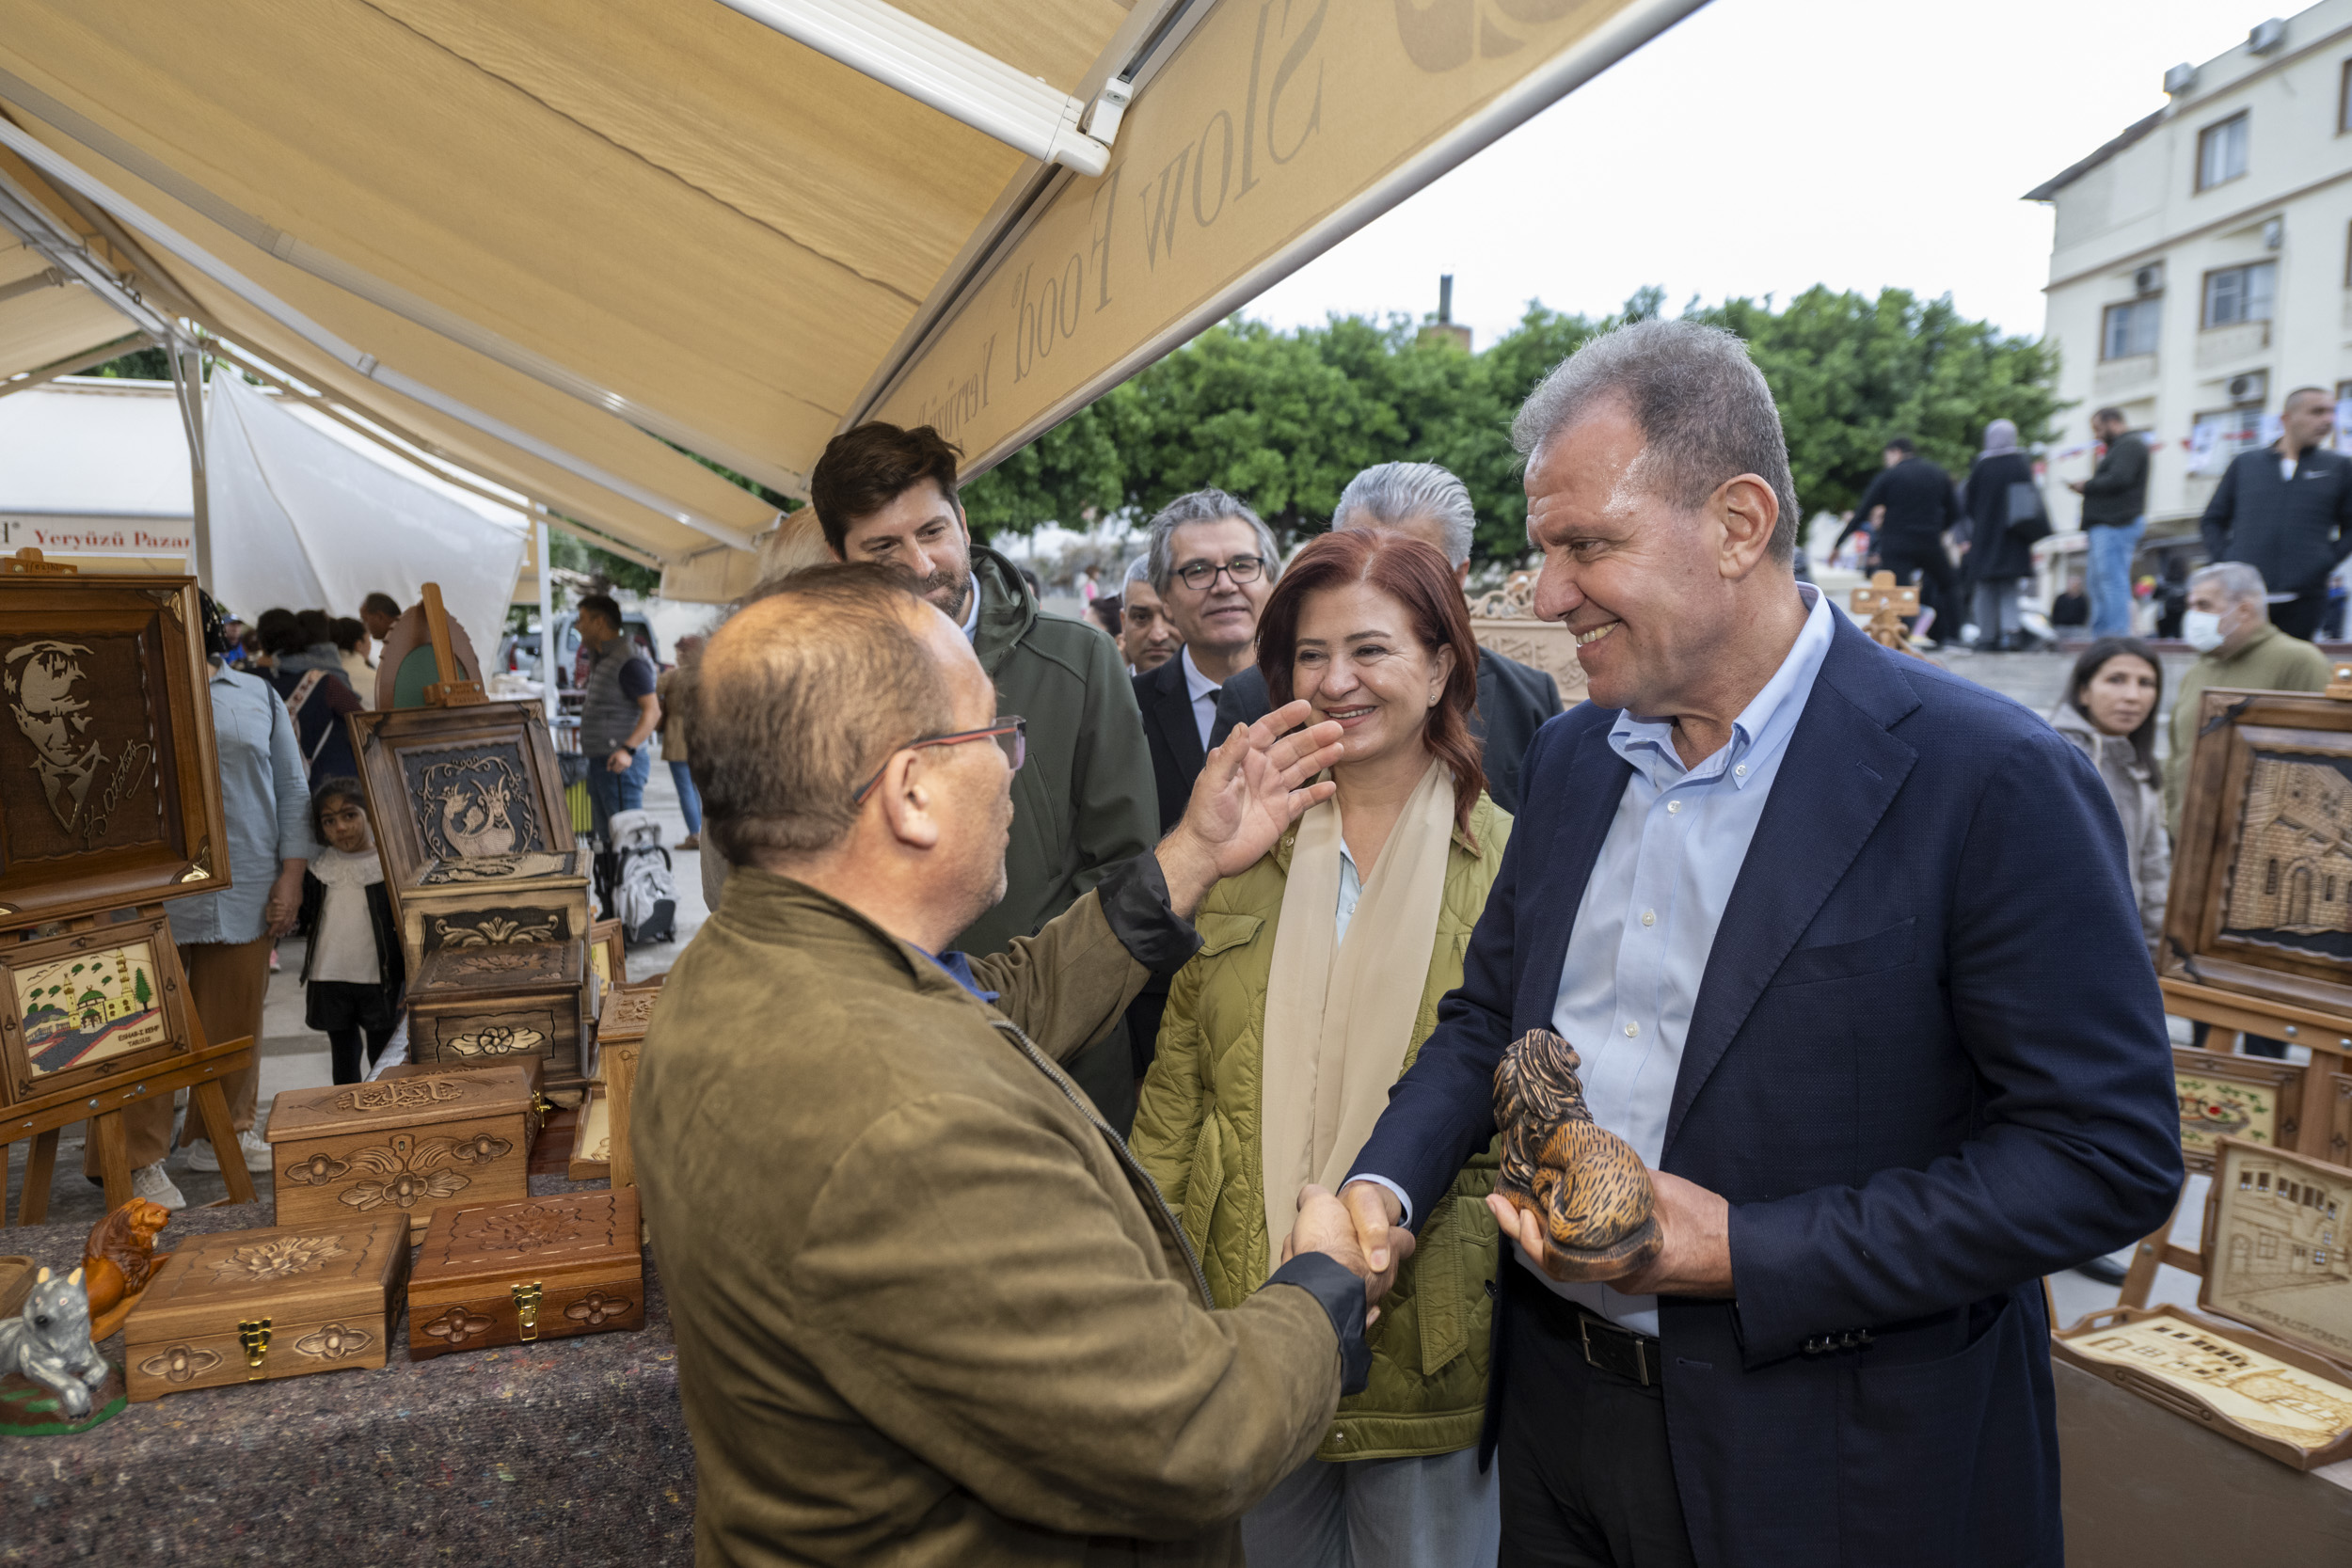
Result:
[
  {"x": 119, "y": 1257},
  {"x": 1586, "y": 1185}
]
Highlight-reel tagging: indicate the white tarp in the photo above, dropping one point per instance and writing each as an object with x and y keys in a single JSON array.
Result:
[{"x": 301, "y": 520}]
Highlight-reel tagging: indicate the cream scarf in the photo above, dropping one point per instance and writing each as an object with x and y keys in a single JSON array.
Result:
[{"x": 1339, "y": 1016}]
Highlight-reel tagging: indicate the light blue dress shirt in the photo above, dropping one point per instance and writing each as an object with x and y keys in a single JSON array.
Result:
[
  {"x": 266, "y": 804},
  {"x": 1351, "y": 890},
  {"x": 1651, "y": 909}
]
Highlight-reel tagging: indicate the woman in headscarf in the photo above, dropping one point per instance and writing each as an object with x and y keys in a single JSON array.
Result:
[
  {"x": 2000, "y": 537},
  {"x": 1319, "y": 976}
]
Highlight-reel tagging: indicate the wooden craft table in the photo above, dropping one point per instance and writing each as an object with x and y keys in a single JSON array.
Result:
[
  {"x": 563, "y": 1452},
  {"x": 2144, "y": 1488}
]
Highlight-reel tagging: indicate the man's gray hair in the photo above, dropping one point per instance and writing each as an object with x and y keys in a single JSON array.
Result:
[
  {"x": 1138, "y": 570},
  {"x": 1394, "y": 493},
  {"x": 2235, "y": 578},
  {"x": 1202, "y": 506},
  {"x": 1704, "y": 410}
]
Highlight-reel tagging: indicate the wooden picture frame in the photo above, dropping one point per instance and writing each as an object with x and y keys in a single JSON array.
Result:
[
  {"x": 89, "y": 1006},
  {"x": 2256, "y": 1099},
  {"x": 2273, "y": 1247},
  {"x": 611, "y": 963},
  {"x": 591, "y": 1157},
  {"x": 109, "y": 775},
  {"x": 2260, "y": 901},
  {"x": 458, "y": 783}
]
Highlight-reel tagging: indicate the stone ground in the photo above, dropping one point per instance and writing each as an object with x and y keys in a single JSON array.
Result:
[{"x": 292, "y": 1056}]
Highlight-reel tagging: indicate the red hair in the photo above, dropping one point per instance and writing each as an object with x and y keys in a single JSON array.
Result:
[{"x": 1416, "y": 576}]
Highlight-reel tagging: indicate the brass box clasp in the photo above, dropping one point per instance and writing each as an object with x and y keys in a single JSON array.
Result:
[
  {"x": 254, "y": 1336},
  {"x": 526, "y": 1308}
]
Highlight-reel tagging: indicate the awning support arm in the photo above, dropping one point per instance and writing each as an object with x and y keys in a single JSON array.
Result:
[
  {"x": 62, "y": 172},
  {"x": 961, "y": 82}
]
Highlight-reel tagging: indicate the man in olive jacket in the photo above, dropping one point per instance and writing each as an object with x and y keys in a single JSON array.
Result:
[
  {"x": 1085, "y": 803},
  {"x": 929, "y": 1311}
]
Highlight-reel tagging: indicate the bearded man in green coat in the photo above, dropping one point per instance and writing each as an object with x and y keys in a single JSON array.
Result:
[{"x": 1085, "y": 803}]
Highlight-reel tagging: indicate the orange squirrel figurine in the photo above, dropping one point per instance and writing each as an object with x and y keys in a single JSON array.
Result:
[{"x": 120, "y": 1257}]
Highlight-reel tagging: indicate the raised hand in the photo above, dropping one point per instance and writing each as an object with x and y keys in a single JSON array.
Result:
[{"x": 1255, "y": 786}]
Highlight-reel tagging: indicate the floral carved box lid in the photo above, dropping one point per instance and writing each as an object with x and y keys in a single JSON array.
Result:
[
  {"x": 583, "y": 1236},
  {"x": 296, "y": 1273},
  {"x": 396, "y": 1102},
  {"x": 520, "y": 966}
]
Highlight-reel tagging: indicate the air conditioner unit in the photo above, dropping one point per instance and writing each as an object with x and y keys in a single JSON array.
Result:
[
  {"x": 2180, "y": 79},
  {"x": 2253, "y": 387},
  {"x": 2149, "y": 279},
  {"x": 2266, "y": 36}
]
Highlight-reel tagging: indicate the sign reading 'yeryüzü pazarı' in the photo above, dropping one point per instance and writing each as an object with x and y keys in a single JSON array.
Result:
[
  {"x": 94, "y": 535},
  {"x": 1277, "y": 128}
]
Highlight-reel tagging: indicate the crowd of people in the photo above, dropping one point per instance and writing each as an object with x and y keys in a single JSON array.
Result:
[{"x": 1290, "y": 853}]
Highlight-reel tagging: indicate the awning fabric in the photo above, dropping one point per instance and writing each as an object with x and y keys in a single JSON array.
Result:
[
  {"x": 301, "y": 519},
  {"x": 635, "y": 226}
]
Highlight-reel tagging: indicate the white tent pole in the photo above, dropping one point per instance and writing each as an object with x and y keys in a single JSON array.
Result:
[
  {"x": 937, "y": 68},
  {"x": 547, "y": 610},
  {"x": 41, "y": 157},
  {"x": 187, "y": 381}
]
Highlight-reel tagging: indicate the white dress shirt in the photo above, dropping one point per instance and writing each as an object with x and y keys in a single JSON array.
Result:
[
  {"x": 972, "y": 611},
  {"x": 1647, "y": 922},
  {"x": 1203, "y": 691}
]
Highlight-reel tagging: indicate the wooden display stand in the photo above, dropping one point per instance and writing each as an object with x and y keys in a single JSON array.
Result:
[
  {"x": 109, "y": 803},
  {"x": 1887, "y": 603}
]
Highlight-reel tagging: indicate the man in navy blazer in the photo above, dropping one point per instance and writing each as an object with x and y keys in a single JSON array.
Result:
[{"x": 1848, "y": 951}]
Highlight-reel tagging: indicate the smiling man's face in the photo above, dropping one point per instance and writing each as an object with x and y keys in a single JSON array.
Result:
[{"x": 1635, "y": 576}]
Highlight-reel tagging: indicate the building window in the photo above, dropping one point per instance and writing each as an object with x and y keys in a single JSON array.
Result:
[
  {"x": 2131, "y": 328},
  {"x": 2262, "y": 1182},
  {"x": 2244, "y": 294},
  {"x": 2270, "y": 876},
  {"x": 2221, "y": 153},
  {"x": 2268, "y": 1246}
]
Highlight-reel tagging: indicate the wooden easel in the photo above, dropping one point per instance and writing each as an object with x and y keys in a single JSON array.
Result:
[
  {"x": 447, "y": 691},
  {"x": 200, "y": 1070},
  {"x": 1886, "y": 604}
]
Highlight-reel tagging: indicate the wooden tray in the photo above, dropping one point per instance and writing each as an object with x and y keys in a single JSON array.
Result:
[{"x": 2269, "y": 1395}]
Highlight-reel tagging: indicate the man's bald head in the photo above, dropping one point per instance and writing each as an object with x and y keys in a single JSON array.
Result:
[{"x": 801, "y": 696}]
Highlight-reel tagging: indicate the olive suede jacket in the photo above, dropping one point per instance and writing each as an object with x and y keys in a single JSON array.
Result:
[
  {"x": 1200, "y": 1131},
  {"x": 929, "y": 1312}
]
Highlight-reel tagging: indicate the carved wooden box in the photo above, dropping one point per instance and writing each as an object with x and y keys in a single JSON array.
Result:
[
  {"x": 245, "y": 1306},
  {"x": 478, "y": 1004},
  {"x": 495, "y": 901},
  {"x": 591, "y": 1158},
  {"x": 548, "y": 1269},
  {"x": 405, "y": 1146}
]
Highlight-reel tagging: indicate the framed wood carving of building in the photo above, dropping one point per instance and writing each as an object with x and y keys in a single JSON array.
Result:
[
  {"x": 109, "y": 781},
  {"x": 2274, "y": 1246},
  {"x": 2261, "y": 901},
  {"x": 89, "y": 1006}
]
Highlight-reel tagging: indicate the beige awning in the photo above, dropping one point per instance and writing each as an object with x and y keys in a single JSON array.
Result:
[{"x": 552, "y": 243}]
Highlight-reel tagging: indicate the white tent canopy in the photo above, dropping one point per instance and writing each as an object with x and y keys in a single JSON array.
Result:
[{"x": 299, "y": 518}]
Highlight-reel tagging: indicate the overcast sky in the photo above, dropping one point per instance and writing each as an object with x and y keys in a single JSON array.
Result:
[{"x": 1764, "y": 146}]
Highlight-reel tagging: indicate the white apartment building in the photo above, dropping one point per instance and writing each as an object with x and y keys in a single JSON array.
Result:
[{"x": 2201, "y": 268}]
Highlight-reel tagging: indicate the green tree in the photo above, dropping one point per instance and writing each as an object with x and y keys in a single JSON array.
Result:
[{"x": 140, "y": 990}]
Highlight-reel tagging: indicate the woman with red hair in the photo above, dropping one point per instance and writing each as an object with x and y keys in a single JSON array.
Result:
[{"x": 1319, "y": 976}]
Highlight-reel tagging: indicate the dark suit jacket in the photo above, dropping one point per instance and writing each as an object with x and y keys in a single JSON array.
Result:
[
  {"x": 1514, "y": 700},
  {"x": 2291, "y": 530},
  {"x": 1173, "y": 734},
  {"x": 1927, "y": 1066}
]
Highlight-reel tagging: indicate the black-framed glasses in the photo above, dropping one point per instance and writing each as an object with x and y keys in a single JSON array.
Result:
[
  {"x": 1011, "y": 732},
  {"x": 1198, "y": 575}
]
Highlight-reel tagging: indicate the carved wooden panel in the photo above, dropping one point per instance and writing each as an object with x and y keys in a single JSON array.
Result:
[
  {"x": 2255, "y": 1099},
  {"x": 85, "y": 1009},
  {"x": 109, "y": 785},
  {"x": 2274, "y": 1246},
  {"x": 458, "y": 790}
]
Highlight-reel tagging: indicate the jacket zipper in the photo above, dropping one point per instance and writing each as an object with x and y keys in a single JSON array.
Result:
[{"x": 1126, "y": 1156}]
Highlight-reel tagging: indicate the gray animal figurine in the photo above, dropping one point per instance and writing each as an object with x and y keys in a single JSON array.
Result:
[{"x": 49, "y": 1342}]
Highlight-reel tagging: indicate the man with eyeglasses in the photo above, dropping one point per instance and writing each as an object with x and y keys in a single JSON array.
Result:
[
  {"x": 928, "y": 1309},
  {"x": 1213, "y": 564},
  {"x": 886, "y": 497}
]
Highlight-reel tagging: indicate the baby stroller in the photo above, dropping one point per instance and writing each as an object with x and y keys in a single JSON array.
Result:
[{"x": 644, "y": 897}]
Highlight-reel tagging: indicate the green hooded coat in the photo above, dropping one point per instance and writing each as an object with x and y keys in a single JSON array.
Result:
[{"x": 1197, "y": 1132}]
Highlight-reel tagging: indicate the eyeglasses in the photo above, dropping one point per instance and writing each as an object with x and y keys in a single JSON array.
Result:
[
  {"x": 1011, "y": 732},
  {"x": 1200, "y": 574}
]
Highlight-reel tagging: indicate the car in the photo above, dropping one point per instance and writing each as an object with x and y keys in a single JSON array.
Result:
[{"x": 519, "y": 651}]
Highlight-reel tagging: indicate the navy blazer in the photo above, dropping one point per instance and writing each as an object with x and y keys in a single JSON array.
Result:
[
  {"x": 1173, "y": 734},
  {"x": 1927, "y": 1066}
]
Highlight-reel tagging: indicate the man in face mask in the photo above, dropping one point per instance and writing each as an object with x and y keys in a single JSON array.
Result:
[{"x": 2228, "y": 623}]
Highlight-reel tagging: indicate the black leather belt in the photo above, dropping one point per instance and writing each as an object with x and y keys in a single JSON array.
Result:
[{"x": 1628, "y": 1352}]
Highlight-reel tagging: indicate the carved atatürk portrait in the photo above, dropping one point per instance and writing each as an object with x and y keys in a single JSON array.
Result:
[
  {"x": 77, "y": 760},
  {"x": 473, "y": 800}
]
